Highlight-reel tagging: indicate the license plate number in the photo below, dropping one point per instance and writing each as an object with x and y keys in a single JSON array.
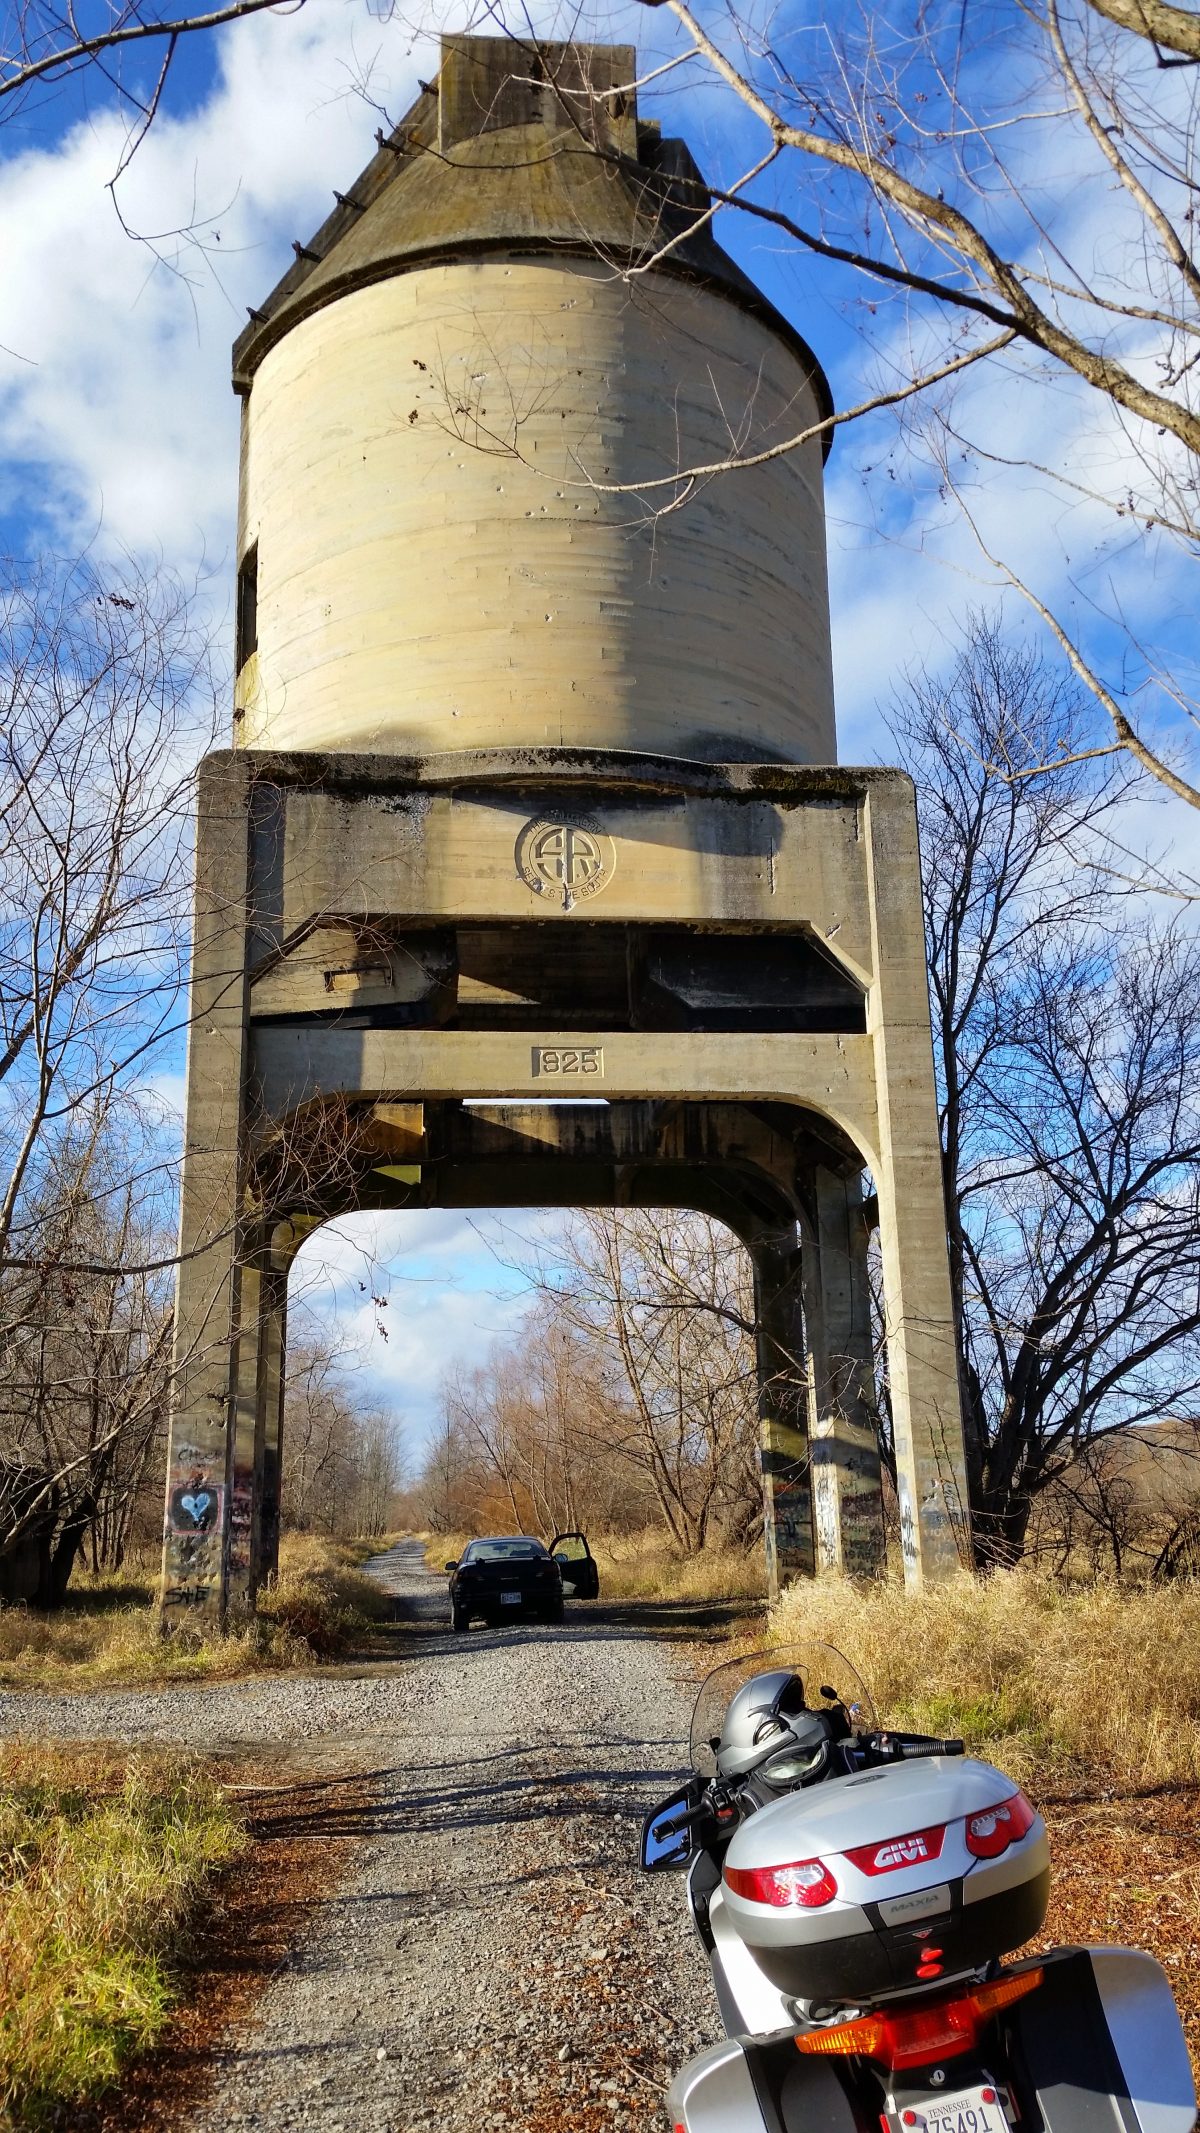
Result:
[
  {"x": 966, "y": 2111},
  {"x": 510, "y": 1599}
]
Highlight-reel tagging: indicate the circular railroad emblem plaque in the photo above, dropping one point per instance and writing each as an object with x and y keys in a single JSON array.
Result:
[{"x": 566, "y": 861}]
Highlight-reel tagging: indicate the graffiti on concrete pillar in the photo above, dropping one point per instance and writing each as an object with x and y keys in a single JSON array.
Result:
[
  {"x": 241, "y": 1521},
  {"x": 908, "y": 1523},
  {"x": 195, "y": 1504},
  {"x": 194, "y": 1532},
  {"x": 826, "y": 1506},
  {"x": 787, "y": 1499}
]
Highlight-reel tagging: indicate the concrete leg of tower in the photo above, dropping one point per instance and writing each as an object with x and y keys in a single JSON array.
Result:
[
  {"x": 209, "y": 1288},
  {"x": 847, "y": 1496},
  {"x": 268, "y": 1437},
  {"x": 782, "y": 1408},
  {"x": 247, "y": 1433},
  {"x": 918, "y": 1309}
]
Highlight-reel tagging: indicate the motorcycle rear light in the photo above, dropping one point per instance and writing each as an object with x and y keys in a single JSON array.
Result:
[
  {"x": 920, "y": 1844},
  {"x": 806, "y": 1881},
  {"x": 990, "y": 1833},
  {"x": 921, "y": 2035}
]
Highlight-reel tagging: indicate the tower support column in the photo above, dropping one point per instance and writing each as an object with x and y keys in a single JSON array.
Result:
[
  {"x": 268, "y": 1437},
  {"x": 209, "y": 1299},
  {"x": 919, "y": 1325},
  {"x": 847, "y": 1495},
  {"x": 783, "y": 1413}
]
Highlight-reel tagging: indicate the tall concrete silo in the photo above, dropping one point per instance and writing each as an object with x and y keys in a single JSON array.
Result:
[{"x": 534, "y": 794}]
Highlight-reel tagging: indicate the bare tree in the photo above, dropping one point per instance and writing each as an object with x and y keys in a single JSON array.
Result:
[
  {"x": 344, "y": 1456},
  {"x": 664, "y": 1304},
  {"x": 1069, "y": 1068},
  {"x": 46, "y": 44},
  {"x": 1016, "y": 191},
  {"x": 84, "y": 1361},
  {"x": 450, "y": 1484},
  {"x": 541, "y": 1429},
  {"x": 104, "y": 692}
]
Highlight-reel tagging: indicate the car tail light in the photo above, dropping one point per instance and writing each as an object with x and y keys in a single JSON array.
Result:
[
  {"x": 806, "y": 1881},
  {"x": 899, "y": 1851},
  {"x": 990, "y": 1833},
  {"x": 922, "y": 2035}
]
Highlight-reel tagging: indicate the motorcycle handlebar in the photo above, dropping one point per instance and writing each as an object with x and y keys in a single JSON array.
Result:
[
  {"x": 679, "y": 1822},
  {"x": 905, "y": 1747},
  {"x": 932, "y": 1747}
]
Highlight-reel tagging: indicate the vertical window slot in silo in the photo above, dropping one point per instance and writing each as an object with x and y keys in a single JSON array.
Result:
[{"x": 247, "y": 606}]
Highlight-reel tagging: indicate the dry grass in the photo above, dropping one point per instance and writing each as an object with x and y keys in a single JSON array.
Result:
[
  {"x": 104, "y": 1857},
  {"x": 1098, "y": 1684},
  {"x": 107, "y": 1632},
  {"x": 644, "y": 1566},
  {"x": 321, "y": 1599}
]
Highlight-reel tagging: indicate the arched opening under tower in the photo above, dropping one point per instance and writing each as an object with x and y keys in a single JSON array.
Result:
[
  {"x": 783, "y": 1181},
  {"x": 757, "y": 1035},
  {"x": 547, "y": 1370}
]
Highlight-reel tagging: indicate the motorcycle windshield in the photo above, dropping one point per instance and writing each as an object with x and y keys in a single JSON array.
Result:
[{"x": 821, "y": 1668}]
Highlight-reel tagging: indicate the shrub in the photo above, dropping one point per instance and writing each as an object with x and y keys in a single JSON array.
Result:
[
  {"x": 108, "y": 1630},
  {"x": 321, "y": 1598}
]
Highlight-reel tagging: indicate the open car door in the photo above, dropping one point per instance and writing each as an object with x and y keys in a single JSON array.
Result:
[{"x": 581, "y": 1579}]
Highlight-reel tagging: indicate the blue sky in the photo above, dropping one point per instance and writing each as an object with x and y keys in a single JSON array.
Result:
[{"x": 118, "y": 431}]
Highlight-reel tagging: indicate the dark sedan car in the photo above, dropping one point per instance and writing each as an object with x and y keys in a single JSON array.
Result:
[{"x": 508, "y": 1576}]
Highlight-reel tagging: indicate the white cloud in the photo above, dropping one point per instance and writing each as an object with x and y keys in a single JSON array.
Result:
[
  {"x": 121, "y": 417},
  {"x": 449, "y": 1288}
]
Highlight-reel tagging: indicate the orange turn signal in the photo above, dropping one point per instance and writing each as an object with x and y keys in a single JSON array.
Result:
[{"x": 938, "y": 2029}]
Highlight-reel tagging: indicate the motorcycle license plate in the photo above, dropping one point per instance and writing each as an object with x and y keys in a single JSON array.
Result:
[
  {"x": 510, "y": 1599},
  {"x": 965, "y": 2111}
]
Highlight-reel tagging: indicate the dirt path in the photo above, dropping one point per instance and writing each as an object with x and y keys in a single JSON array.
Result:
[{"x": 492, "y": 1958}]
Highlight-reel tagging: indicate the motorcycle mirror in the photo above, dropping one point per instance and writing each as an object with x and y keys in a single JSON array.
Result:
[
  {"x": 830, "y": 1695},
  {"x": 666, "y": 1847}
]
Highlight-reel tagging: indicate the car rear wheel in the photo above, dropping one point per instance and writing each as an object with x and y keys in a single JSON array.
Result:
[{"x": 553, "y": 1614}]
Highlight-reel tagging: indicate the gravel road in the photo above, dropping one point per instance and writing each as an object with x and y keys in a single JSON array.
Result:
[{"x": 493, "y": 1959}]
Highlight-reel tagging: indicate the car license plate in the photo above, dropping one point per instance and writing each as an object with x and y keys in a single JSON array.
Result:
[
  {"x": 510, "y": 1599},
  {"x": 965, "y": 2111}
]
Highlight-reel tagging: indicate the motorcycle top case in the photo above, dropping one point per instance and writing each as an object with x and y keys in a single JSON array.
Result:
[{"x": 888, "y": 1878}]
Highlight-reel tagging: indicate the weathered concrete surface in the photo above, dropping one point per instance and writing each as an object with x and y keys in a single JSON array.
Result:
[
  {"x": 545, "y": 882},
  {"x": 458, "y": 407},
  {"x": 430, "y": 467}
]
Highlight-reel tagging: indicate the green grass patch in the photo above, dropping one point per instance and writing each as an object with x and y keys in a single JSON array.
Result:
[{"x": 104, "y": 1860}]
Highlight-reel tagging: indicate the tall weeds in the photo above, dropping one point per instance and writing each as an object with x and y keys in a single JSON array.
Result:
[
  {"x": 1099, "y": 1683},
  {"x": 103, "y": 1858}
]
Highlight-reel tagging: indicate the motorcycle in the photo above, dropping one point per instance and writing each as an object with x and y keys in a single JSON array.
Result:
[{"x": 855, "y": 1890}]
